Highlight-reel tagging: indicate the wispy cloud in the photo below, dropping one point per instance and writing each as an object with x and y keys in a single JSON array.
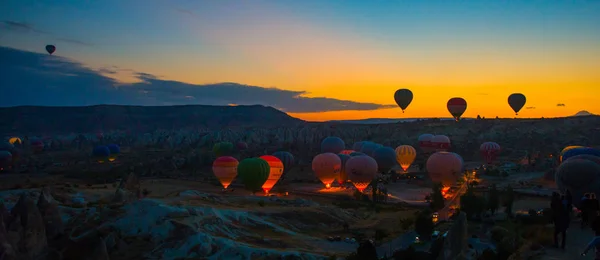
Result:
[
  {"x": 21, "y": 27},
  {"x": 560, "y": 105},
  {"x": 530, "y": 108},
  {"x": 28, "y": 76},
  {"x": 184, "y": 11}
]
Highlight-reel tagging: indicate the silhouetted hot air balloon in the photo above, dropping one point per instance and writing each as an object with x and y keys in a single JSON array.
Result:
[
  {"x": 115, "y": 150},
  {"x": 5, "y": 160},
  {"x": 241, "y": 145},
  {"x": 15, "y": 140},
  {"x": 225, "y": 169},
  {"x": 579, "y": 176},
  {"x": 567, "y": 149},
  {"x": 444, "y": 167},
  {"x": 332, "y": 144},
  {"x": 50, "y": 49},
  {"x": 516, "y": 101},
  {"x": 101, "y": 153},
  {"x": 347, "y": 152},
  {"x": 361, "y": 170},
  {"x": 489, "y": 151},
  {"x": 327, "y": 167},
  {"x": 369, "y": 148},
  {"x": 425, "y": 143},
  {"x": 405, "y": 155},
  {"x": 385, "y": 158},
  {"x": 357, "y": 146},
  {"x": 286, "y": 158},
  {"x": 457, "y": 107},
  {"x": 592, "y": 158},
  {"x": 403, "y": 97},
  {"x": 275, "y": 172},
  {"x": 253, "y": 172},
  {"x": 440, "y": 143},
  {"x": 580, "y": 151},
  {"x": 343, "y": 177},
  {"x": 223, "y": 149}
]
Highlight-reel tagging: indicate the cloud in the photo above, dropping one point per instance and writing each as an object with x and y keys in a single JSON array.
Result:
[
  {"x": 530, "y": 108},
  {"x": 560, "y": 105},
  {"x": 184, "y": 11},
  {"x": 37, "y": 79},
  {"x": 21, "y": 27}
]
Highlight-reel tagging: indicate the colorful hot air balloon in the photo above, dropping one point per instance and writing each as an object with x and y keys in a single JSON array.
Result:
[
  {"x": 357, "y": 146},
  {"x": 286, "y": 158},
  {"x": 225, "y": 169},
  {"x": 569, "y": 148},
  {"x": 5, "y": 160},
  {"x": 457, "y": 107},
  {"x": 343, "y": 175},
  {"x": 15, "y": 140},
  {"x": 516, "y": 101},
  {"x": 403, "y": 97},
  {"x": 332, "y": 144},
  {"x": 253, "y": 172},
  {"x": 327, "y": 167},
  {"x": 347, "y": 152},
  {"x": 444, "y": 167},
  {"x": 425, "y": 143},
  {"x": 579, "y": 176},
  {"x": 385, "y": 158},
  {"x": 241, "y": 145},
  {"x": 115, "y": 150},
  {"x": 405, "y": 155},
  {"x": 361, "y": 170},
  {"x": 275, "y": 172},
  {"x": 489, "y": 151},
  {"x": 50, "y": 49},
  {"x": 101, "y": 153},
  {"x": 440, "y": 143},
  {"x": 580, "y": 151},
  {"x": 223, "y": 149}
]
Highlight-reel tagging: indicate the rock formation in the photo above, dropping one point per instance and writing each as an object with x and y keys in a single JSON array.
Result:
[
  {"x": 455, "y": 243},
  {"x": 50, "y": 211},
  {"x": 26, "y": 231}
]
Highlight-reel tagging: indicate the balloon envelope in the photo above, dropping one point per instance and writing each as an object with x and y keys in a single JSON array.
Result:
[
  {"x": 114, "y": 149},
  {"x": 405, "y": 155},
  {"x": 101, "y": 153},
  {"x": 489, "y": 151},
  {"x": 332, "y": 144},
  {"x": 457, "y": 107},
  {"x": 241, "y": 145},
  {"x": 425, "y": 143},
  {"x": 440, "y": 143},
  {"x": 361, "y": 170},
  {"x": 347, "y": 152},
  {"x": 385, "y": 158},
  {"x": 223, "y": 149},
  {"x": 592, "y": 158},
  {"x": 369, "y": 148},
  {"x": 357, "y": 146},
  {"x": 516, "y": 101},
  {"x": 580, "y": 151},
  {"x": 564, "y": 150},
  {"x": 15, "y": 140},
  {"x": 225, "y": 169},
  {"x": 343, "y": 175},
  {"x": 444, "y": 167},
  {"x": 327, "y": 167},
  {"x": 579, "y": 176},
  {"x": 50, "y": 48},
  {"x": 275, "y": 172},
  {"x": 253, "y": 172},
  {"x": 403, "y": 98},
  {"x": 286, "y": 158}
]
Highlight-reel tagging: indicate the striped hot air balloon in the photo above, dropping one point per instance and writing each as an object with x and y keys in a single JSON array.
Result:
[
  {"x": 489, "y": 151},
  {"x": 457, "y": 107},
  {"x": 225, "y": 169},
  {"x": 405, "y": 155}
]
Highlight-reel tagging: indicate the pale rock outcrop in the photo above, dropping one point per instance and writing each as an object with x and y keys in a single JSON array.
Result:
[
  {"x": 27, "y": 231},
  {"x": 50, "y": 211}
]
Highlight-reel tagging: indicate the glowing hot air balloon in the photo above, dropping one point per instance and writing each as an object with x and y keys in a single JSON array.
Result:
[
  {"x": 440, "y": 143},
  {"x": 225, "y": 169},
  {"x": 425, "y": 143},
  {"x": 361, "y": 170},
  {"x": 516, "y": 101},
  {"x": 327, "y": 167},
  {"x": 457, "y": 107},
  {"x": 275, "y": 172},
  {"x": 343, "y": 178},
  {"x": 567, "y": 149},
  {"x": 444, "y": 167},
  {"x": 405, "y": 155},
  {"x": 489, "y": 151},
  {"x": 580, "y": 151},
  {"x": 101, "y": 153},
  {"x": 403, "y": 97},
  {"x": 50, "y": 49},
  {"x": 115, "y": 150},
  {"x": 347, "y": 152},
  {"x": 15, "y": 140}
]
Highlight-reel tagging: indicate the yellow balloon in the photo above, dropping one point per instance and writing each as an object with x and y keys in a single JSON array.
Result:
[
  {"x": 569, "y": 148},
  {"x": 405, "y": 155},
  {"x": 15, "y": 140}
]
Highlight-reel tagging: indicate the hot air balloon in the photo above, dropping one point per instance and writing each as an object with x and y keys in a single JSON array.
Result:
[
  {"x": 253, "y": 172},
  {"x": 343, "y": 175},
  {"x": 580, "y": 151},
  {"x": 356, "y": 154},
  {"x": 327, "y": 167},
  {"x": 403, "y": 97},
  {"x": 425, "y": 143},
  {"x": 5, "y": 160},
  {"x": 405, "y": 155},
  {"x": 569, "y": 148},
  {"x": 275, "y": 172},
  {"x": 37, "y": 145},
  {"x": 440, "y": 143},
  {"x": 369, "y": 148},
  {"x": 286, "y": 158},
  {"x": 115, "y": 150},
  {"x": 347, "y": 152},
  {"x": 385, "y": 158},
  {"x": 50, "y": 49},
  {"x": 457, "y": 107},
  {"x": 241, "y": 145},
  {"x": 225, "y": 169},
  {"x": 361, "y": 170},
  {"x": 462, "y": 161},
  {"x": 223, "y": 149},
  {"x": 101, "y": 153},
  {"x": 579, "y": 176},
  {"x": 489, "y": 151},
  {"x": 357, "y": 146},
  {"x": 516, "y": 101},
  {"x": 444, "y": 167},
  {"x": 15, "y": 140},
  {"x": 332, "y": 144},
  {"x": 592, "y": 158}
]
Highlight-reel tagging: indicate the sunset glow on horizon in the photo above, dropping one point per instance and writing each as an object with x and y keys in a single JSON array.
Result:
[{"x": 357, "y": 51}]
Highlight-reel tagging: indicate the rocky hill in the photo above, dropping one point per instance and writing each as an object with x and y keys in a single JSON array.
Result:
[{"x": 32, "y": 120}]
